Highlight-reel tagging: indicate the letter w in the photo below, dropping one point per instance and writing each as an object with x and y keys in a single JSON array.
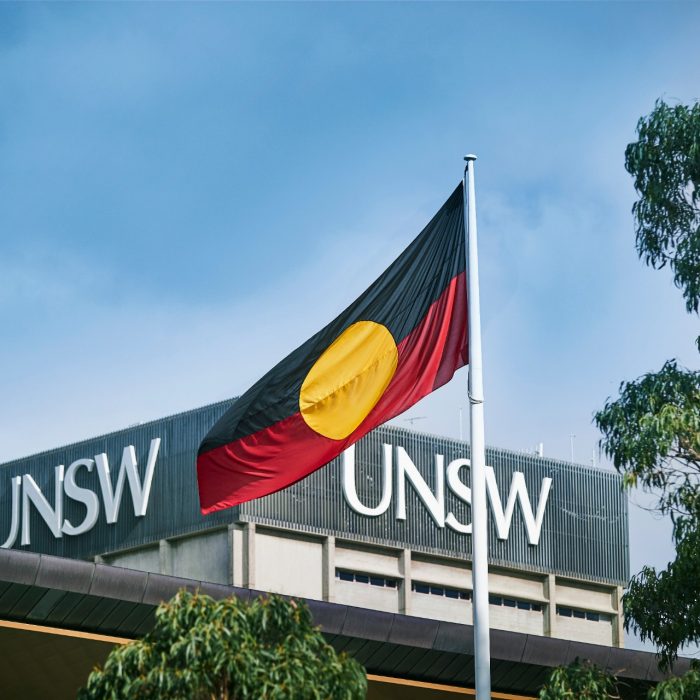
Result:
[
  {"x": 140, "y": 493},
  {"x": 518, "y": 490}
]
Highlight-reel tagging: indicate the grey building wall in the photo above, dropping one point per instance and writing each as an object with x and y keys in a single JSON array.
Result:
[
  {"x": 584, "y": 535},
  {"x": 307, "y": 541},
  {"x": 324, "y": 567}
]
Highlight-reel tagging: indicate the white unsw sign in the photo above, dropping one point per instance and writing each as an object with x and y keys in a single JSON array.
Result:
[
  {"x": 435, "y": 502},
  {"x": 26, "y": 490}
]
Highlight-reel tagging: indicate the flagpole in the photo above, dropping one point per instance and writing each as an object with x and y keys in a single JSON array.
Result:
[{"x": 480, "y": 571}]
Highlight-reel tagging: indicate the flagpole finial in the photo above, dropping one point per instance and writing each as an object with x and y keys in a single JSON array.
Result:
[{"x": 470, "y": 156}]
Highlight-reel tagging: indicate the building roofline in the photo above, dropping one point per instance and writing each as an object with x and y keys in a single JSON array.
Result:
[
  {"x": 68, "y": 593},
  {"x": 558, "y": 463}
]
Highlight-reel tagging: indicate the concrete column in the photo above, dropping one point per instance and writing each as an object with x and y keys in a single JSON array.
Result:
[
  {"x": 165, "y": 558},
  {"x": 249, "y": 555},
  {"x": 550, "y": 608},
  {"x": 405, "y": 593},
  {"x": 328, "y": 564},
  {"x": 235, "y": 554},
  {"x": 618, "y": 621}
]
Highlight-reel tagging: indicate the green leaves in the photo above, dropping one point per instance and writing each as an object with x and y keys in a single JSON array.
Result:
[
  {"x": 204, "y": 649},
  {"x": 652, "y": 434},
  {"x": 665, "y": 165},
  {"x": 664, "y": 606},
  {"x": 580, "y": 680},
  {"x": 686, "y": 687},
  {"x": 652, "y": 430}
]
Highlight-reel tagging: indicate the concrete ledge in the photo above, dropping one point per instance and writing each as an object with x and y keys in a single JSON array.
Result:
[
  {"x": 367, "y": 624},
  {"x": 161, "y": 588},
  {"x": 592, "y": 652},
  {"x": 414, "y": 631},
  {"x": 544, "y": 651},
  {"x": 456, "y": 638},
  {"x": 19, "y": 567},
  {"x": 66, "y": 574},
  {"x": 329, "y": 616},
  {"x": 127, "y": 585},
  {"x": 112, "y": 600},
  {"x": 507, "y": 646}
]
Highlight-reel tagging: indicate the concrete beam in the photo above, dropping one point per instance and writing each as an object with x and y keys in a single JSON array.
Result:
[
  {"x": 405, "y": 592},
  {"x": 550, "y": 609},
  {"x": 165, "y": 557},
  {"x": 328, "y": 557}
]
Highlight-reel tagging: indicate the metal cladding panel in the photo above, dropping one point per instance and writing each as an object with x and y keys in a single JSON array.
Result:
[
  {"x": 584, "y": 532},
  {"x": 173, "y": 507}
]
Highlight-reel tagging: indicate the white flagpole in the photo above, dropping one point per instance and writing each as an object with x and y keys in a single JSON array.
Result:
[{"x": 480, "y": 570}]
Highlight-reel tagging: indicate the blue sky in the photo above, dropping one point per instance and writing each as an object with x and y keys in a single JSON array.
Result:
[{"x": 187, "y": 191}]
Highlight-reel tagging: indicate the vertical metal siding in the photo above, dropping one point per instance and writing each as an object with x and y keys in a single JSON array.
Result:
[
  {"x": 173, "y": 508},
  {"x": 584, "y": 534}
]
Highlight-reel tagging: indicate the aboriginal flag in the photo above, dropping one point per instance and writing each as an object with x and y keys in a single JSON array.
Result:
[{"x": 403, "y": 338}]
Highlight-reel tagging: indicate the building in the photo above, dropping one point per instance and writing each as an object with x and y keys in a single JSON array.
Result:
[{"x": 378, "y": 542}]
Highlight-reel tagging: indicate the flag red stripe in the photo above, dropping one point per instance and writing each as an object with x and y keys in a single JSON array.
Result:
[{"x": 287, "y": 451}]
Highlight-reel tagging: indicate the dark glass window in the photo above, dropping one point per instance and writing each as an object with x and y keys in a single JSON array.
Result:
[
  {"x": 514, "y": 603},
  {"x": 355, "y": 577},
  {"x": 442, "y": 591},
  {"x": 583, "y": 614}
]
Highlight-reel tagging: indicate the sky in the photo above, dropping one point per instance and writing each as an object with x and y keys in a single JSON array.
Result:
[{"x": 190, "y": 190}]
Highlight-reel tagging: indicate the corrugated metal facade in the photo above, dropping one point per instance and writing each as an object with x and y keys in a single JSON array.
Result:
[{"x": 584, "y": 534}]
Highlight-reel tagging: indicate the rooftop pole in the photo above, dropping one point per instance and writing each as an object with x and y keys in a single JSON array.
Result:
[{"x": 480, "y": 572}]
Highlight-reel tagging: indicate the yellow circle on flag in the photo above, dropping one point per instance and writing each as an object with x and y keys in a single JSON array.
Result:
[{"x": 348, "y": 379}]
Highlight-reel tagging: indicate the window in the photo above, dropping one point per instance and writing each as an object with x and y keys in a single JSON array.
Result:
[
  {"x": 583, "y": 614},
  {"x": 353, "y": 576},
  {"x": 441, "y": 591},
  {"x": 513, "y": 603}
]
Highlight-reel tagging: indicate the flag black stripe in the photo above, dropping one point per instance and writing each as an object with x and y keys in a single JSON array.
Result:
[{"x": 398, "y": 299}]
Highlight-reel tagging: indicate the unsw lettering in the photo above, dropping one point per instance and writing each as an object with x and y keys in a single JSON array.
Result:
[
  {"x": 406, "y": 470},
  {"x": 26, "y": 492}
]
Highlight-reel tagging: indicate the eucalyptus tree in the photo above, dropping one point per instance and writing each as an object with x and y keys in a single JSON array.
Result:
[
  {"x": 651, "y": 431},
  {"x": 580, "y": 680},
  {"x": 202, "y": 649}
]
